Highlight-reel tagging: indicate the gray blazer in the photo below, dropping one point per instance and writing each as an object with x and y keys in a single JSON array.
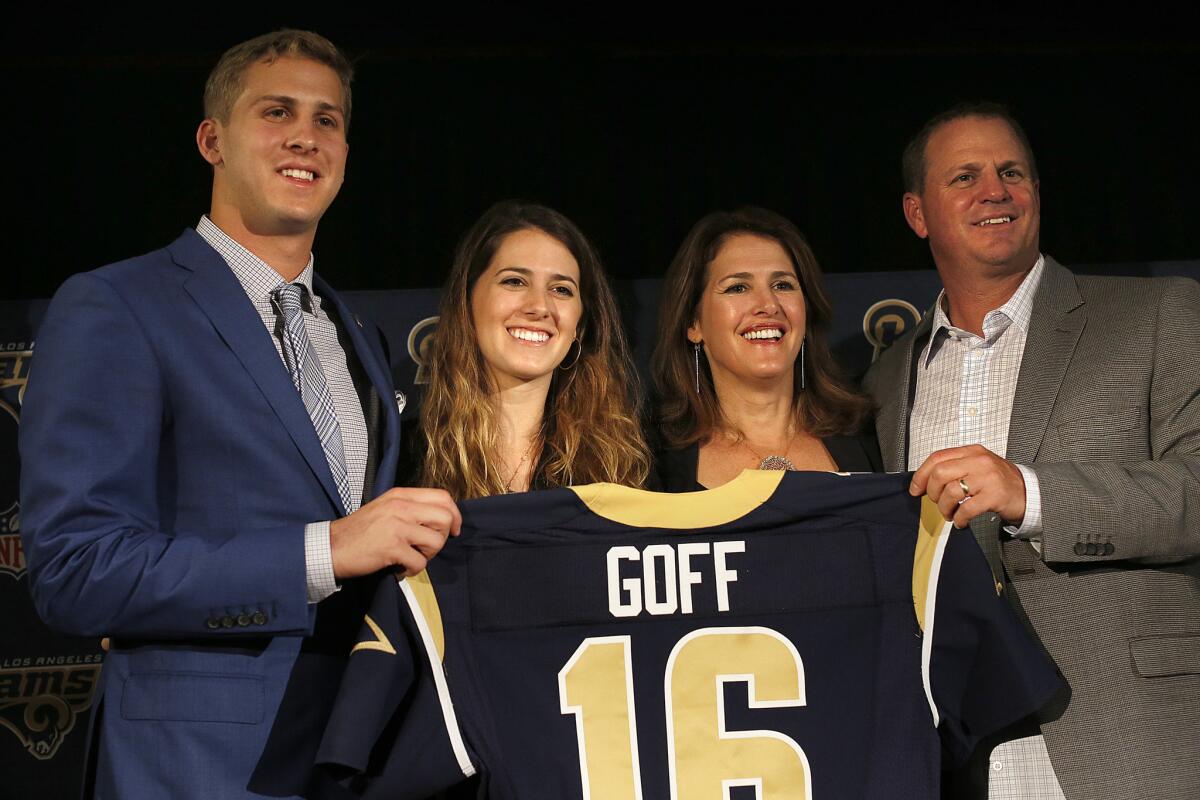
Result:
[{"x": 1107, "y": 414}]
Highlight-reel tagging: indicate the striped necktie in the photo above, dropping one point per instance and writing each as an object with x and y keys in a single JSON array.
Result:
[{"x": 305, "y": 368}]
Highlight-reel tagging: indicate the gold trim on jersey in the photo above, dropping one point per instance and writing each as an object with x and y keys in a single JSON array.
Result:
[
  {"x": 931, "y": 525},
  {"x": 422, "y": 602},
  {"x": 380, "y": 642},
  {"x": 638, "y": 508},
  {"x": 422, "y": 589}
]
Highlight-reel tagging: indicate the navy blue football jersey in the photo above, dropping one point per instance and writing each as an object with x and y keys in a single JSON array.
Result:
[{"x": 787, "y": 635}]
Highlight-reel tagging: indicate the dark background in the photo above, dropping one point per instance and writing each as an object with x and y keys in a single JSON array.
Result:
[{"x": 634, "y": 122}]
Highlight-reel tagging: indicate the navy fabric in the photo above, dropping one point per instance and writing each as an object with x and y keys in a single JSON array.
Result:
[{"x": 827, "y": 564}]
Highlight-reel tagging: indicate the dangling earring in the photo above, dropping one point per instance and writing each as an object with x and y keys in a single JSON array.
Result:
[
  {"x": 696, "y": 353},
  {"x": 802, "y": 341},
  {"x": 578, "y": 353}
]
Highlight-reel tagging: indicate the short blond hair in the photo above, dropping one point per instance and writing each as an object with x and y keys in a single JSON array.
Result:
[{"x": 225, "y": 82}]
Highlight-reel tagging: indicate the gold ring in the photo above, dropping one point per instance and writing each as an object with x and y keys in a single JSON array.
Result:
[{"x": 966, "y": 489}]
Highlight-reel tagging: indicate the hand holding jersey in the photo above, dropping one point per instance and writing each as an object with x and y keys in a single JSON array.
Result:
[
  {"x": 403, "y": 527},
  {"x": 968, "y": 481}
]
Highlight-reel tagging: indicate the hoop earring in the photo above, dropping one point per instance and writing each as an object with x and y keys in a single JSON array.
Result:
[
  {"x": 696, "y": 353},
  {"x": 578, "y": 353},
  {"x": 802, "y": 341}
]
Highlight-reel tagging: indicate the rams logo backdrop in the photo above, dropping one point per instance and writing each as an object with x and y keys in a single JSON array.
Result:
[{"x": 47, "y": 681}]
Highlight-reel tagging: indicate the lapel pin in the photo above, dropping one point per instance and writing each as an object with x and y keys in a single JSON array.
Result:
[{"x": 401, "y": 401}]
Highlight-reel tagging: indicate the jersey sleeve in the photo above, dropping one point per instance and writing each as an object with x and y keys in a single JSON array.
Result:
[
  {"x": 392, "y": 732},
  {"x": 985, "y": 670}
]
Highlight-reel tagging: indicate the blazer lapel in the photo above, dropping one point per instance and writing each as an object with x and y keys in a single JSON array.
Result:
[
  {"x": 1057, "y": 321},
  {"x": 378, "y": 373},
  {"x": 896, "y": 380},
  {"x": 217, "y": 292}
]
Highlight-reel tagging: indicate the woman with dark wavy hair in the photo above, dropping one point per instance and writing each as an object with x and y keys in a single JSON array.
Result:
[
  {"x": 530, "y": 377},
  {"x": 742, "y": 363}
]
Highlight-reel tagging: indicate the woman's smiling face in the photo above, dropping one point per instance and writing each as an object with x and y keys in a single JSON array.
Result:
[
  {"x": 526, "y": 307},
  {"x": 751, "y": 315}
]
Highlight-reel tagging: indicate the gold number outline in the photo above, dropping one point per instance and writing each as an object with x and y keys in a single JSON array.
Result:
[
  {"x": 565, "y": 707},
  {"x": 752, "y": 701},
  {"x": 791, "y": 698}
]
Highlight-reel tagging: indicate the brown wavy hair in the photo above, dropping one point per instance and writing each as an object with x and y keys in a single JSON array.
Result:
[
  {"x": 591, "y": 430},
  {"x": 828, "y": 404}
]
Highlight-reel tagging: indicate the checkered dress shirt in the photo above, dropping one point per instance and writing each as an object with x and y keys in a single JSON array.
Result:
[
  {"x": 965, "y": 389},
  {"x": 966, "y": 384},
  {"x": 259, "y": 280}
]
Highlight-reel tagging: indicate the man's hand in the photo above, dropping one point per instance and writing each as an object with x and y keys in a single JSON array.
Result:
[
  {"x": 992, "y": 484},
  {"x": 401, "y": 528}
]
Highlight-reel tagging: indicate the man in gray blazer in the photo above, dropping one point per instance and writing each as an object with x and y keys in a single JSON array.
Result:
[{"x": 1059, "y": 417}]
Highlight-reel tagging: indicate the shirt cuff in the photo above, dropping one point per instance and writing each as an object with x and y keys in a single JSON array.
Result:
[
  {"x": 1031, "y": 526},
  {"x": 318, "y": 562}
]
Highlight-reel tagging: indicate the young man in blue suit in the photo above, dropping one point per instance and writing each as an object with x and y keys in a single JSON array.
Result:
[{"x": 207, "y": 446}]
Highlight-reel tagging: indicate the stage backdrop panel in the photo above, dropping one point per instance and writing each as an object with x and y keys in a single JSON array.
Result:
[
  {"x": 47, "y": 680},
  {"x": 871, "y": 309}
]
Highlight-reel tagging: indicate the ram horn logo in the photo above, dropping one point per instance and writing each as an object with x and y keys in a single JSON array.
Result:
[
  {"x": 14, "y": 377},
  {"x": 41, "y": 705},
  {"x": 885, "y": 321},
  {"x": 14, "y": 373},
  {"x": 420, "y": 340}
]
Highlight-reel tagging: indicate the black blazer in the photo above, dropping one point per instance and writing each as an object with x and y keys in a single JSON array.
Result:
[{"x": 676, "y": 469}]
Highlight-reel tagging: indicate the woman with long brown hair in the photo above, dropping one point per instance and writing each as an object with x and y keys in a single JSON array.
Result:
[
  {"x": 742, "y": 363},
  {"x": 530, "y": 377}
]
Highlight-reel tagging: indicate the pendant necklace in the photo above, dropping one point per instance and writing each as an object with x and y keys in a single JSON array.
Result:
[
  {"x": 524, "y": 455},
  {"x": 777, "y": 462}
]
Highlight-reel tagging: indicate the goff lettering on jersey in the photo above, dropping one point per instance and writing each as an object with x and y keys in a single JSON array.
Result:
[{"x": 787, "y": 635}]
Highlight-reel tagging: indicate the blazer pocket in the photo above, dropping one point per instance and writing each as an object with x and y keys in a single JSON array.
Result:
[
  {"x": 1164, "y": 656},
  {"x": 193, "y": 697},
  {"x": 1104, "y": 436}
]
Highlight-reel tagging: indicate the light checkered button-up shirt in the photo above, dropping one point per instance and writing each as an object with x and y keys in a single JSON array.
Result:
[
  {"x": 260, "y": 280},
  {"x": 966, "y": 385},
  {"x": 965, "y": 390}
]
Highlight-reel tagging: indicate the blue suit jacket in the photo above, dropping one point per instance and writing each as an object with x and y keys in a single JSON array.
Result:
[{"x": 168, "y": 470}]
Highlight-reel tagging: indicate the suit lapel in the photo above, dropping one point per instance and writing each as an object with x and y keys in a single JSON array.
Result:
[
  {"x": 376, "y": 369},
  {"x": 1058, "y": 319},
  {"x": 215, "y": 289},
  {"x": 892, "y": 418}
]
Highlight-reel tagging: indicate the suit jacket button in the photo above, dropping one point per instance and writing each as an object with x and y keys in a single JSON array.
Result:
[
  {"x": 243, "y": 620},
  {"x": 1092, "y": 548},
  {"x": 1079, "y": 548},
  {"x": 213, "y": 623},
  {"x": 1109, "y": 548},
  {"x": 226, "y": 621},
  {"x": 259, "y": 618}
]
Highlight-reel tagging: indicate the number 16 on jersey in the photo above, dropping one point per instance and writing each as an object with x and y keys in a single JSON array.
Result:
[{"x": 706, "y": 759}]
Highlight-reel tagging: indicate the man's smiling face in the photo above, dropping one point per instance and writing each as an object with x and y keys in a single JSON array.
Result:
[
  {"x": 979, "y": 207},
  {"x": 281, "y": 157}
]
